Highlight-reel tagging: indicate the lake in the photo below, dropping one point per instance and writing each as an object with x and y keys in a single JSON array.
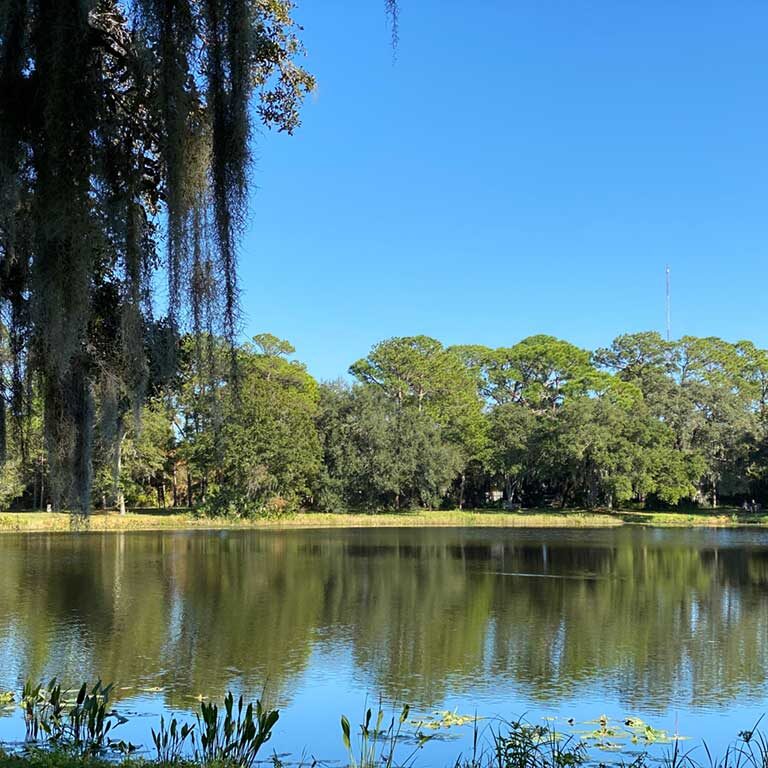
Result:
[{"x": 668, "y": 625}]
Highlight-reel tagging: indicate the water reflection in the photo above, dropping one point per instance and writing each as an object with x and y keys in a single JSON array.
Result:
[{"x": 651, "y": 618}]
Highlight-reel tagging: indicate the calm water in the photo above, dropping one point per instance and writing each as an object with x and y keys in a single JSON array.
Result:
[{"x": 667, "y": 625}]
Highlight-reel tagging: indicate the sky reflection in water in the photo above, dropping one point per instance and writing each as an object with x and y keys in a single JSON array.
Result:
[{"x": 667, "y": 625}]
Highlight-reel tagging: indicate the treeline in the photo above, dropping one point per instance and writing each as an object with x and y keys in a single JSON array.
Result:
[{"x": 542, "y": 422}]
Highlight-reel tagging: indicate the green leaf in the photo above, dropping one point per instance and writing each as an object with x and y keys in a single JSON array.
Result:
[{"x": 345, "y": 732}]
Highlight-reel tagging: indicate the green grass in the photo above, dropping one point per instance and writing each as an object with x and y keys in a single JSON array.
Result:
[
  {"x": 59, "y": 758},
  {"x": 51, "y": 759},
  {"x": 157, "y": 519}
]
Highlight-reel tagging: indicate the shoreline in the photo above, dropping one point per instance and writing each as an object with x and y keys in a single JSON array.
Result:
[{"x": 159, "y": 520}]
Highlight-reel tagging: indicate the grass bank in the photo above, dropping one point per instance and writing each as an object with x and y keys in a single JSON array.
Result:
[{"x": 150, "y": 520}]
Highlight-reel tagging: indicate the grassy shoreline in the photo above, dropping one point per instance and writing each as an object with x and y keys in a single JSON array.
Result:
[{"x": 151, "y": 520}]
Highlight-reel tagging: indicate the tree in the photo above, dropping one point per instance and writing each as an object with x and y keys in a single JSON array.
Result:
[
  {"x": 11, "y": 482},
  {"x": 268, "y": 454},
  {"x": 709, "y": 413},
  {"x": 706, "y": 390},
  {"x": 379, "y": 454},
  {"x": 610, "y": 450},
  {"x": 754, "y": 376},
  {"x": 142, "y": 471},
  {"x": 539, "y": 372},
  {"x": 122, "y": 124},
  {"x": 270, "y": 346},
  {"x": 513, "y": 450},
  {"x": 636, "y": 356},
  {"x": 419, "y": 372},
  {"x": 409, "y": 369}
]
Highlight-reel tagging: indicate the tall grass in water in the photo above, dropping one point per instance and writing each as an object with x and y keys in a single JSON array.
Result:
[
  {"x": 376, "y": 747},
  {"x": 232, "y": 736},
  {"x": 73, "y": 730},
  {"x": 82, "y": 724},
  {"x": 170, "y": 741},
  {"x": 236, "y": 738},
  {"x": 518, "y": 744},
  {"x": 749, "y": 751}
]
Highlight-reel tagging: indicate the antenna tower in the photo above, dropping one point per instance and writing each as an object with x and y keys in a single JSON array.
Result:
[{"x": 668, "y": 306}]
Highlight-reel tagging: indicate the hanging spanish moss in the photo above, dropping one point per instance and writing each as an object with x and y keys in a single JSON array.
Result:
[
  {"x": 393, "y": 14},
  {"x": 125, "y": 131}
]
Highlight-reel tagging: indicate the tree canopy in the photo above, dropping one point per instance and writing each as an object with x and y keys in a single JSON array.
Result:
[
  {"x": 124, "y": 150},
  {"x": 643, "y": 422}
]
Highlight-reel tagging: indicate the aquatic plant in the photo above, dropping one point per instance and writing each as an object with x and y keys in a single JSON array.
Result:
[
  {"x": 750, "y": 750},
  {"x": 73, "y": 732},
  {"x": 236, "y": 738},
  {"x": 89, "y": 720},
  {"x": 170, "y": 740},
  {"x": 444, "y": 718},
  {"x": 376, "y": 747},
  {"x": 43, "y": 708},
  {"x": 522, "y": 745},
  {"x": 85, "y": 727},
  {"x": 84, "y": 723}
]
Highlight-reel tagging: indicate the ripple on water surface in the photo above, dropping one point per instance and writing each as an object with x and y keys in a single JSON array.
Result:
[{"x": 670, "y": 626}]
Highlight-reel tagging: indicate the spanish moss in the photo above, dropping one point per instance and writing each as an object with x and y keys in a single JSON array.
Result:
[{"x": 125, "y": 130}]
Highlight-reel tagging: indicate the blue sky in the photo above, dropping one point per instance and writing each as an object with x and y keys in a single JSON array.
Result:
[{"x": 525, "y": 166}]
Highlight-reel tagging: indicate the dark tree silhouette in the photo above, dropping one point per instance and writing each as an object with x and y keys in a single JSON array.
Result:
[{"x": 124, "y": 152}]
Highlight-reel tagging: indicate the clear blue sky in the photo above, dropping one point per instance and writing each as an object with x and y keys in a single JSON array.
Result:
[{"x": 526, "y": 166}]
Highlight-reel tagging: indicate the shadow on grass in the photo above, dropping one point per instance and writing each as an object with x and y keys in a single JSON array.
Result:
[{"x": 159, "y": 511}]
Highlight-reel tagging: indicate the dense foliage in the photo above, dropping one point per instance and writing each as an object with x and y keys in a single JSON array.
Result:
[
  {"x": 643, "y": 421},
  {"x": 124, "y": 151}
]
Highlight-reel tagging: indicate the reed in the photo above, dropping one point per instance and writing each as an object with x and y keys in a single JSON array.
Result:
[{"x": 73, "y": 729}]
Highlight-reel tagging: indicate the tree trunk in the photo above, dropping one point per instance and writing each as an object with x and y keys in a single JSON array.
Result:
[
  {"x": 121, "y": 435},
  {"x": 509, "y": 491},
  {"x": 461, "y": 490},
  {"x": 42, "y": 486},
  {"x": 593, "y": 491}
]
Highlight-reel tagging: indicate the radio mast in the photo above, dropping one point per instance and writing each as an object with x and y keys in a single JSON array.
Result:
[{"x": 668, "y": 306}]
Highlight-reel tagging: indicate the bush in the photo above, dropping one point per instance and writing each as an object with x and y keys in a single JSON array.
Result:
[
  {"x": 229, "y": 502},
  {"x": 11, "y": 483}
]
